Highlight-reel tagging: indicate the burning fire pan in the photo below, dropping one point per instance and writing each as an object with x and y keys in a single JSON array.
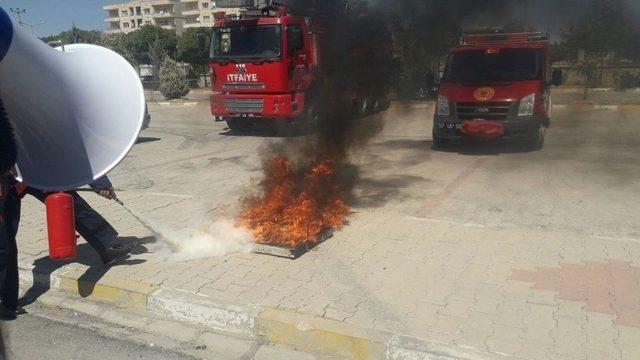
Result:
[{"x": 288, "y": 252}]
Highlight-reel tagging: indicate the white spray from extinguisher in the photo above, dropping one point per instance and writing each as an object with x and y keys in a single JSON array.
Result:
[
  {"x": 218, "y": 238},
  {"x": 155, "y": 230}
]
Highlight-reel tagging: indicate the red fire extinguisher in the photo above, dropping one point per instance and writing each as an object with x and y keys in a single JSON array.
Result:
[{"x": 61, "y": 226}]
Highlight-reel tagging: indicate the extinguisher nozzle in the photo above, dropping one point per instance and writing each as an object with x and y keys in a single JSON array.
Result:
[{"x": 118, "y": 201}]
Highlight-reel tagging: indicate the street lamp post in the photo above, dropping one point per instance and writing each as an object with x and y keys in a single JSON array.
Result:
[
  {"x": 32, "y": 26},
  {"x": 19, "y": 12}
]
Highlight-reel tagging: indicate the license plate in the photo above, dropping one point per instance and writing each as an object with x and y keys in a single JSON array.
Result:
[
  {"x": 450, "y": 126},
  {"x": 244, "y": 115}
]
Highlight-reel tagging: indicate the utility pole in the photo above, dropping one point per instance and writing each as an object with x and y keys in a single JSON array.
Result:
[{"x": 19, "y": 12}]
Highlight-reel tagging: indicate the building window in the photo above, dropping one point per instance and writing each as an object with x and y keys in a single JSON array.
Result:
[
  {"x": 125, "y": 25},
  {"x": 205, "y": 5},
  {"x": 125, "y": 13},
  {"x": 206, "y": 18},
  {"x": 147, "y": 11},
  {"x": 147, "y": 22}
]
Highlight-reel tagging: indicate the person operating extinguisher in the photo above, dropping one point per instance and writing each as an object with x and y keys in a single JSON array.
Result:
[{"x": 9, "y": 220}]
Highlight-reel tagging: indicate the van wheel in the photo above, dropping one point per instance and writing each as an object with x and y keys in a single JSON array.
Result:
[
  {"x": 239, "y": 125},
  {"x": 536, "y": 140},
  {"x": 440, "y": 143},
  {"x": 377, "y": 106},
  {"x": 363, "y": 106}
]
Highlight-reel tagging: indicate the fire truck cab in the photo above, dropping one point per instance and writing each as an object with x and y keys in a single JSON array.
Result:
[
  {"x": 496, "y": 86},
  {"x": 272, "y": 63}
]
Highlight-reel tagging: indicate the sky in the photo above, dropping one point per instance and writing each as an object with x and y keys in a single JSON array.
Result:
[{"x": 59, "y": 15}]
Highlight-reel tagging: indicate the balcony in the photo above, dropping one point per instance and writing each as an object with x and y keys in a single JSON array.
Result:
[
  {"x": 188, "y": 1},
  {"x": 163, "y": 2},
  {"x": 192, "y": 12},
  {"x": 192, "y": 25},
  {"x": 112, "y": 19},
  {"x": 164, "y": 14}
]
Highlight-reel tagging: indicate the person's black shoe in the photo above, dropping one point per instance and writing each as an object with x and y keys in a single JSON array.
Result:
[
  {"x": 112, "y": 255},
  {"x": 8, "y": 315}
]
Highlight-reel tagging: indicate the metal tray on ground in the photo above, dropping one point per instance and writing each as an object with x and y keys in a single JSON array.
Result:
[{"x": 288, "y": 252}]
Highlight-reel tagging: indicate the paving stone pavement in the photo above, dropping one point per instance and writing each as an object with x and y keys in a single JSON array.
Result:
[{"x": 529, "y": 255}]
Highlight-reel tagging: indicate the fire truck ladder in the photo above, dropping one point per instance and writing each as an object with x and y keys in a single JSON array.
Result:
[{"x": 299, "y": 7}]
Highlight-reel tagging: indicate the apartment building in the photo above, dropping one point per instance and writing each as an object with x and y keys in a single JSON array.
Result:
[{"x": 174, "y": 15}]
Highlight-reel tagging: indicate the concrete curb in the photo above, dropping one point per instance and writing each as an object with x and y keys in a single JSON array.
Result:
[
  {"x": 101, "y": 287},
  {"x": 315, "y": 334},
  {"x": 219, "y": 315},
  {"x": 405, "y": 348},
  {"x": 179, "y": 103},
  {"x": 281, "y": 327}
]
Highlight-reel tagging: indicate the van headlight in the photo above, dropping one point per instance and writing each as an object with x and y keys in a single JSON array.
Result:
[
  {"x": 443, "y": 105},
  {"x": 526, "y": 105}
]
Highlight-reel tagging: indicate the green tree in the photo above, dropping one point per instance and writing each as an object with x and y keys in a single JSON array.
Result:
[
  {"x": 606, "y": 28},
  {"x": 421, "y": 48},
  {"x": 173, "y": 80},
  {"x": 190, "y": 50},
  {"x": 560, "y": 52},
  {"x": 588, "y": 69},
  {"x": 76, "y": 36},
  {"x": 156, "y": 55},
  {"x": 142, "y": 39},
  {"x": 120, "y": 43}
]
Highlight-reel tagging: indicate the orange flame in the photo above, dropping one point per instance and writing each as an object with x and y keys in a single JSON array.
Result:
[{"x": 297, "y": 204}]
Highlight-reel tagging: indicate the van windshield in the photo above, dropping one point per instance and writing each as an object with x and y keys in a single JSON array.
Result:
[{"x": 481, "y": 66}]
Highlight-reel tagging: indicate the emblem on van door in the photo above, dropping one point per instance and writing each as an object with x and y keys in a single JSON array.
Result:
[
  {"x": 484, "y": 94},
  {"x": 482, "y": 111},
  {"x": 241, "y": 68}
]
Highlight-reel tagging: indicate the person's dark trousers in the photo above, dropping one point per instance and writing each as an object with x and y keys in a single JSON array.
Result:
[
  {"x": 10, "y": 211},
  {"x": 96, "y": 231}
]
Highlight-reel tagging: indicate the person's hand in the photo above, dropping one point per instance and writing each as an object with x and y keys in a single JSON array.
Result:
[{"x": 108, "y": 193}]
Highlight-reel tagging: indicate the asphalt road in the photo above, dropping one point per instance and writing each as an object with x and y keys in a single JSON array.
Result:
[{"x": 57, "y": 335}]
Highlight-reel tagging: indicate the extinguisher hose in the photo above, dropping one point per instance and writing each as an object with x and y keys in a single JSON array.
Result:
[{"x": 93, "y": 191}]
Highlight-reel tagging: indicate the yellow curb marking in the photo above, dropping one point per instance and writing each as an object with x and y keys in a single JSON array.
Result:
[
  {"x": 124, "y": 292},
  {"x": 317, "y": 334}
]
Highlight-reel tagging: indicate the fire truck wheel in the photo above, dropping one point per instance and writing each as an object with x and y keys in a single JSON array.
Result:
[
  {"x": 313, "y": 113},
  {"x": 239, "y": 125}
]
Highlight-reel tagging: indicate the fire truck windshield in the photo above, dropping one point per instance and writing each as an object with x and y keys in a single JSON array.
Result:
[
  {"x": 246, "y": 42},
  {"x": 487, "y": 65}
]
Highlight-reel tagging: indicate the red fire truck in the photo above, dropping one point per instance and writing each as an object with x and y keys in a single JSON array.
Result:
[
  {"x": 496, "y": 86},
  {"x": 295, "y": 60}
]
